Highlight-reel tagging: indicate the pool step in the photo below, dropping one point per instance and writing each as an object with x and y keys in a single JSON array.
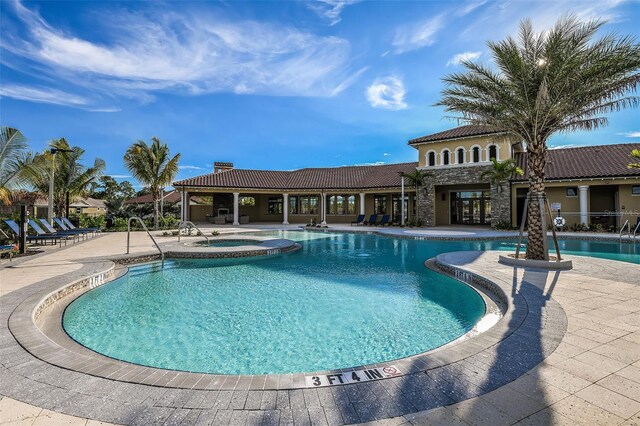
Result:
[{"x": 147, "y": 269}]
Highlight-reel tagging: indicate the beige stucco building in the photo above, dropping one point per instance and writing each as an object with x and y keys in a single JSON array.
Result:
[{"x": 589, "y": 185}]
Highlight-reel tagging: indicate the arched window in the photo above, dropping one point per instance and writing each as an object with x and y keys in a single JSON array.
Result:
[
  {"x": 493, "y": 152},
  {"x": 476, "y": 154},
  {"x": 460, "y": 154},
  {"x": 431, "y": 159},
  {"x": 445, "y": 157}
]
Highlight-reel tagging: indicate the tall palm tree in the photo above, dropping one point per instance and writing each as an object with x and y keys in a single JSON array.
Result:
[
  {"x": 556, "y": 81},
  {"x": 501, "y": 171},
  {"x": 13, "y": 146},
  {"x": 418, "y": 179},
  {"x": 71, "y": 177},
  {"x": 152, "y": 166},
  {"x": 635, "y": 154}
]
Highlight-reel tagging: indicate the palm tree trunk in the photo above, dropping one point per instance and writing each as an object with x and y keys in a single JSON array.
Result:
[
  {"x": 536, "y": 161},
  {"x": 155, "y": 210},
  {"x": 66, "y": 204}
]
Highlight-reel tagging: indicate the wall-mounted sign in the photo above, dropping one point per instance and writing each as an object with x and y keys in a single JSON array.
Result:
[{"x": 556, "y": 206}]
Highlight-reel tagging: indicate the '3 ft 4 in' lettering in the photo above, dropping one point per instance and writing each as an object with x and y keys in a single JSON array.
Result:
[{"x": 356, "y": 376}]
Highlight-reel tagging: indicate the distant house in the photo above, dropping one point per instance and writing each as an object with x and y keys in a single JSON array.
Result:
[
  {"x": 81, "y": 205},
  {"x": 172, "y": 196}
]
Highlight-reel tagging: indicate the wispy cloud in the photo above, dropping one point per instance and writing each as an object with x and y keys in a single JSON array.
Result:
[
  {"x": 330, "y": 9},
  {"x": 465, "y": 56},
  {"x": 107, "y": 109},
  {"x": 42, "y": 95},
  {"x": 469, "y": 7},
  {"x": 387, "y": 93},
  {"x": 120, "y": 176},
  {"x": 386, "y": 154},
  {"x": 418, "y": 35},
  {"x": 187, "y": 167},
  {"x": 629, "y": 134},
  {"x": 188, "y": 53}
]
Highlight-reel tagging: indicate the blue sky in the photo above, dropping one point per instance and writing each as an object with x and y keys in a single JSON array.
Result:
[{"x": 267, "y": 85}]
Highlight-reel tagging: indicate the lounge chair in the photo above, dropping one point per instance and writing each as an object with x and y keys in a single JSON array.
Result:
[
  {"x": 72, "y": 227},
  {"x": 50, "y": 229},
  {"x": 63, "y": 225},
  {"x": 372, "y": 220},
  {"x": 41, "y": 232},
  {"x": 35, "y": 238},
  {"x": 384, "y": 221},
  {"x": 358, "y": 221},
  {"x": 7, "y": 249}
]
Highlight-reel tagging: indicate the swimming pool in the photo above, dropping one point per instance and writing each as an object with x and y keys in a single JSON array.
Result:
[{"x": 343, "y": 300}]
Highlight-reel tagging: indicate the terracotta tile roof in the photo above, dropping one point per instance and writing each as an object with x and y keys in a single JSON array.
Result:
[
  {"x": 585, "y": 162},
  {"x": 348, "y": 177},
  {"x": 458, "y": 132}
]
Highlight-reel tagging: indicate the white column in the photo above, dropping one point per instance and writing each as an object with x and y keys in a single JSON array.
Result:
[
  {"x": 323, "y": 210},
  {"x": 362, "y": 203},
  {"x": 402, "y": 203},
  {"x": 236, "y": 208},
  {"x": 182, "y": 207},
  {"x": 583, "y": 191},
  {"x": 285, "y": 209}
]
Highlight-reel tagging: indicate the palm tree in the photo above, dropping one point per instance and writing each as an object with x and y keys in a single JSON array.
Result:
[
  {"x": 13, "y": 146},
  {"x": 71, "y": 178},
  {"x": 152, "y": 166},
  {"x": 501, "y": 171},
  {"x": 635, "y": 154},
  {"x": 417, "y": 178},
  {"x": 556, "y": 81}
]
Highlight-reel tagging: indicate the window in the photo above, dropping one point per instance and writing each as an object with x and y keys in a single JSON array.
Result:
[
  {"x": 476, "y": 154},
  {"x": 431, "y": 158},
  {"x": 293, "y": 204},
  {"x": 247, "y": 201},
  {"x": 342, "y": 204},
  {"x": 635, "y": 190},
  {"x": 380, "y": 204},
  {"x": 493, "y": 152},
  {"x": 572, "y": 191},
  {"x": 445, "y": 157},
  {"x": 460, "y": 155},
  {"x": 275, "y": 205},
  {"x": 308, "y": 204}
]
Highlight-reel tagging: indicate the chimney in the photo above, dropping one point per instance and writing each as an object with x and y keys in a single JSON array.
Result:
[{"x": 219, "y": 166}]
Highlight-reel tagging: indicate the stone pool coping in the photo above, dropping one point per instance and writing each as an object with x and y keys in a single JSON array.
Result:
[{"x": 49, "y": 342}]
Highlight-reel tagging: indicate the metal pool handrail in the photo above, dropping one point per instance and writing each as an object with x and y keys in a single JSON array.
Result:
[
  {"x": 628, "y": 226},
  {"x": 635, "y": 231},
  {"x": 185, "y": 224},
  {"x": 148, "y": 233}
]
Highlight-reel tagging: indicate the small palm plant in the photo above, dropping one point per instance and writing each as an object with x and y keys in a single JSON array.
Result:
[
  {"x": 153, "y": 167},
  {"x": 635, "y": 155},
  {"x": 417, "y": 179},
  {"x": 13, "y": 146},
  {"x": 501, "y": 171},
  {"x": 559, "y": 80}
]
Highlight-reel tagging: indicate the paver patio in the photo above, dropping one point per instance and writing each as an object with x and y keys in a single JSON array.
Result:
[{"x": 591, "y": 377}]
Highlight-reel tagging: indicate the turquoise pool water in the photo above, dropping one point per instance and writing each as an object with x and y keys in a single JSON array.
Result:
[
  {"x": 223, "y": 243},
  {"x": 342, "y": 300}
]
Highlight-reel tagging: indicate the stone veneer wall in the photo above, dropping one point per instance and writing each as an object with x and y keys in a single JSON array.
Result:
[{"x": 500, "y": 200}]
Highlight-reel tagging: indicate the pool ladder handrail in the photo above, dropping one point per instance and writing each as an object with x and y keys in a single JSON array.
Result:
[
  {"x": 186, "y": 224},
  {"x": 148, "y": 233},
  {"x": 635, "y": 231},
  {"x": 628, "y": 226}
]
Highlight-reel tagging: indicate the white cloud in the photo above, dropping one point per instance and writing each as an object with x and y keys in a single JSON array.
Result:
[
  {"x": 120, "y": 176},
  {"x": 386, "y": 154},
  {"x": 465, "y": 56},
  {"x": 418, "y": 35},
  {"x": 106, "y": 109},
  {"x": 630, "y": 134},
  {"x": 187, "y": 167},
  {"x": 387, "y": 93},
  {"x": 184, "y": 53},
  {"x": 330, "y": 9},
  {"x": 470, "y": 7},
  {"x": 42, "y": 95}
]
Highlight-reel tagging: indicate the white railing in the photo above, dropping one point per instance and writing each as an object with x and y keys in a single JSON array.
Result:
[
  {"x": 635, "y": 231},
  {"x": 186, "y": 224},
  {"x": 628, "y": 226},
  {"x": 148, "y": 233}
]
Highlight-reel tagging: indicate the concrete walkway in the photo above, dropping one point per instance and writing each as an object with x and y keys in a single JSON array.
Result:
[{"x": 593, "y": 377}]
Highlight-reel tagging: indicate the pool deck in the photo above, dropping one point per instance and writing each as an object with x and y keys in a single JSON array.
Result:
[{"x": 569, "y": 354}]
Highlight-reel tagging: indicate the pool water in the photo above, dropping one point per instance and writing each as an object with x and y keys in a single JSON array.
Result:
[
  {"x": 225, "y": 243},
  {"x": 343, "y": 300}
]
